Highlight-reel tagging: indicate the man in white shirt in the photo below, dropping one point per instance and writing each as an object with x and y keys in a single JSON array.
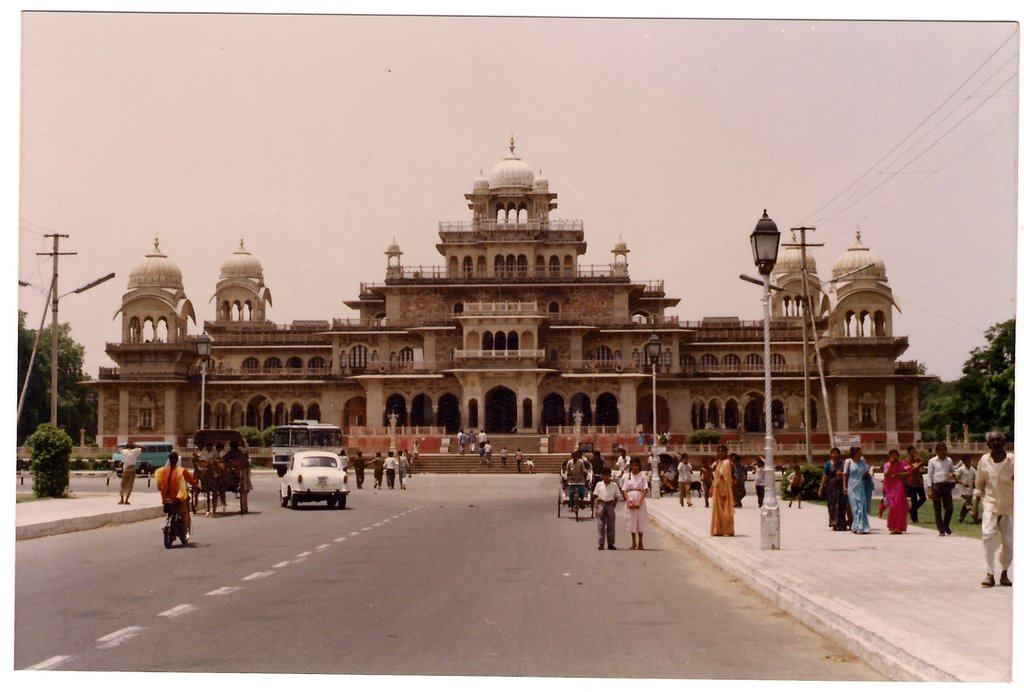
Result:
[
  {"x": 940, "y": 481},
  {"x": 129, "y": 455},
  {"x": 390, "y": 465},
  {"x": 965, "y": 482},
  {"x": 606, "y": 496},
  {"x": 622, "y": 465},
  {"x": 685, "y": 475},
  {"x": 993, "y": 488}
]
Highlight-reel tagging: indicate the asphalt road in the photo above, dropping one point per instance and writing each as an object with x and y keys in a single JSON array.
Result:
[{"x": 459, "y": 575}]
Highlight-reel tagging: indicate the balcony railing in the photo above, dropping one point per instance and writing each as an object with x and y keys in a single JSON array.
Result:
[
  {"x": 499, "y": 308},
  {"x": 499, "y": 355},
  {"x": 550, "y": 226},
  {"x": 584, "y": 272}
]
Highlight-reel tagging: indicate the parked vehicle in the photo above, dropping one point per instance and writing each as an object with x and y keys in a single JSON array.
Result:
[
  {"x": 303, "y": 434},
  {"x": 153, "y": 456},
  {"x": 314, "y": 476}
]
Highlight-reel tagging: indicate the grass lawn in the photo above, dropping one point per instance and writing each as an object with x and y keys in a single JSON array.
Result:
[{"x": 926, "y": 518}]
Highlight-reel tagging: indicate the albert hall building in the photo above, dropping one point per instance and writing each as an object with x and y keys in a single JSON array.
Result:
[{"x": 510, "y": 332}]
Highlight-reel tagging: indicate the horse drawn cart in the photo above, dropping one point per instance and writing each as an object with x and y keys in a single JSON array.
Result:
[{"x": 219, "y": 468}]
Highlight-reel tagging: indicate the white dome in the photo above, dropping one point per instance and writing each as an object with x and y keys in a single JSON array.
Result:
[
  {"x": 241, "y": 265},
  {"x": 540, "y": 183},
  {"x": 511, "y": 171},
  {"x": 858, "y": 257},
  {"x": 155, "y": 271},
  {"x": 790, "y": 261},
  {"x": 480, "y": 184},
  {"x": 620, "y": 247}
]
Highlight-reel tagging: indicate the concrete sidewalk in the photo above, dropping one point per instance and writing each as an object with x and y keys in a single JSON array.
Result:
[
  {"x": 909, "y": 605},
  {"x": 81, "y": 512}
]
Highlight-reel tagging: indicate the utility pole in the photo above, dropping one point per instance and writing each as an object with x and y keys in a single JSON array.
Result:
[
  {"x": 53, "y": 329},
  {"x": 806, "y": 310}
]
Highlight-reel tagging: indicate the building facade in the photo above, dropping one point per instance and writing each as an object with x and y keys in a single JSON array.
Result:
[{"x": 511, "y": 332}]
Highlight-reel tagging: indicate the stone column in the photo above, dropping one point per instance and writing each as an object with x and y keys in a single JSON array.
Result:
[
  {"x": 171, "y": 430},
  {"x": 627, "y": 402},
  {"x": 123, "y": 401},
  {"x": 891, "y": 433},
  {"x": 842, "y": 408}
]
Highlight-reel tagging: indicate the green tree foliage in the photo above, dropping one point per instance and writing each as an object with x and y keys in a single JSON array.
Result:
[
  {"x": 982, "y": 399},
  {"x": 257, "y": 438},
  {"x": 76, "y": 402},
  {"x": 51, "y": 454},
  {"x": 702, "y": 437}
]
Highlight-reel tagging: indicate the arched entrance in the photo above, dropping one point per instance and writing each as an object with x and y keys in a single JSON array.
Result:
[
  {"x": 354, "y": 414},
  {"x": 395, "y": 404},
  {"x": 553, "y": 411},
  {"x": 500, "y": 410},
  {"x": 607, "y": 412},
  {"x": 448, "y": 413},
  {"x": 422, "y": 414},
  {"x": 645, "y": 416},
  {"x": 580, "y": 402},
  {"x": 753, "y": 414}
]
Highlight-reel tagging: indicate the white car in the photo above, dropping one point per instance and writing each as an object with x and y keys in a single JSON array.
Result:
[{"x": 314, "y": 476}]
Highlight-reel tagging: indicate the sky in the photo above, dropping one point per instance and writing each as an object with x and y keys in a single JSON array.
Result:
[{"x": 319, "y": 139}]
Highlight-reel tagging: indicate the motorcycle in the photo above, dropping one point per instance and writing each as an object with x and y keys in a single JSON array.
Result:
[{"x": 174, "y": 526}]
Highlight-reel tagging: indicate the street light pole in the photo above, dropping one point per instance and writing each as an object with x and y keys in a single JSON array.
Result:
[
  {"x": 653, "y": 348},
  {"x": 203, "y": 343},
  {"x": 764, "y": 242}
]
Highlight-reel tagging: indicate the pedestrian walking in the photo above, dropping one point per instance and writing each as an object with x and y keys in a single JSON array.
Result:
[
  {"x": 403, "y": 469},
  {"x": 504, "y": 455},
  {"x": 606, "y": 496},
  {"x": 360, "y": 465},
  {"x": 488, "y": 449},
  {"x": 759, "y": 481},
  {"x": 415, "y": 456},
  {"x": 940, "y": 481},
  {"x": 621, "y": 467},
  {"x": 796, "y": 486},
  {"x": 707, "y": 477},
  {"x": 722, "y": 520},
  {"x": 238, "y": 461},
  {"x": 965, "y": 485},
  {"x": 993, "y": 490},
  {"x": 390, "y": 467},
  {"x": 856, "y": 487},
  {"x": 378, "y": 471},
  {"x": 529, "y": 464},
  {"x": 894, "y": 474},
  {"x": 914, "y": 483},
  {"x": 832, "y": 490},
  {"x": 684, "y": 474},
  {"x": 472, "y": 441},
  {"x": 739, "y": 479},
  {"x": 129, "y": 455},
  {"x": 462, "y": 439},
  {"x": 519, "y": 460},
  {"x": 634, "y": 490}
]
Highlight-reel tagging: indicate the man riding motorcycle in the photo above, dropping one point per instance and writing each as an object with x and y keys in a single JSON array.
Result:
[{"x": 171, "y": 479}]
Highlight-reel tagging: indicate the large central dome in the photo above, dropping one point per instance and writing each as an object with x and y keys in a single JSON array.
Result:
[{"x": 511, "y": 171}]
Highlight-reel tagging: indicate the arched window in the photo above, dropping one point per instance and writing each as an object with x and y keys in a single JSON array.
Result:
[
  {"x": 522, "y": 265},
  {"x": 604, "y": 354},
  {"x": 731, "y": 361},
  {"x": 488, "y": 341},
  {"x": 778, "y": 360},
  {"x": 317, "y": 363},
  {"x": 553, "y": 265},
  {"x": 687, "y": 361},
  {"x": 754, "y": 360},
  {"x": 295, "y": 363},
  {"x": 251, "y": 363},
  {"x": 567, "y": 266},
  {"x": 357, "y": 357},
  {"x": 708, "y": 360},
  {"x": 499, "y": 342},
  {"x": 553, "y": 308},
  {"x": 467, "y": 266},
  {"x": 406, "y": 355},
  {"x": 458, "y": 308},
  {"x": 731, "y": 418},
  {"x": 499, "y": 265},
  {"x": 513, "y": 341}
]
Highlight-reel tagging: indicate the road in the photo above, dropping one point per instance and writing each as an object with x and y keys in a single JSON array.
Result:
[{"x": 459, "y": 575}]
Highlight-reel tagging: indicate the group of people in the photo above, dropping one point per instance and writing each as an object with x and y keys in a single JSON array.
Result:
[
  {"x": 389, "y": 467},
  {"x": 623, "y": 481}
]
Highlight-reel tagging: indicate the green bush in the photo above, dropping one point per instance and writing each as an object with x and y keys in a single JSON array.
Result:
[
  {"x": 702, "y": 437},
  {"x": 811, "y": 483},
  {"x": 252, "y": 435},
  {"x": 103, "y": 464},
  {"x": 51, "y": 451}
]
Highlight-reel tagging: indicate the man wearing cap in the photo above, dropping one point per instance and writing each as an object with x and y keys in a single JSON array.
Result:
[{"x": 129, "y": 455}]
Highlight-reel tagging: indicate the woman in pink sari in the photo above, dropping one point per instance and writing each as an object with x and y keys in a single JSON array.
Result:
[
  {"x": 895, "y": 471},
  {"x": 635, "y": 489}
]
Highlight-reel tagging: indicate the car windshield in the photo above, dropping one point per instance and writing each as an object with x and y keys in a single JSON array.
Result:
[{"x": 319, "y": 462}]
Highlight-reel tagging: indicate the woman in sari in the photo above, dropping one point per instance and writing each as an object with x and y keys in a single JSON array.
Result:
[
  {"x": 832, "y": 486},
  {"x": 634, "y": 490},
  {"x": 722, "y": 520},
  {"x": 895, "y": 473},
  {"x": 855, "y": 487}
]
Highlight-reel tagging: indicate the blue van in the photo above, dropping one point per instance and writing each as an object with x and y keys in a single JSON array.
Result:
[{"x": 153, "y": 456}]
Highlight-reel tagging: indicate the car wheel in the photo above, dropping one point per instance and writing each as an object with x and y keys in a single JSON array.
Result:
[
  {"x": 144, "y": 469},
  {"x": 294, "y": 499},
  {"x": 284, "y": 499},
  {"x": 331, "y": 502},
  {"x": 341, "y": 501}
]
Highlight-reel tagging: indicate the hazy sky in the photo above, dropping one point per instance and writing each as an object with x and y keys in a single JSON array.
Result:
[{"x": 321, "y": 138}]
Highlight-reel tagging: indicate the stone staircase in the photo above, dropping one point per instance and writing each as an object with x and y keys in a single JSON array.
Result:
[
  {"x": 530, "y": 444},
  {"x": 470, "y": 463}
]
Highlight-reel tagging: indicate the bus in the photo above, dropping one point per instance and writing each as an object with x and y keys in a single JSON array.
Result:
[{"x": 303, "y": 434}]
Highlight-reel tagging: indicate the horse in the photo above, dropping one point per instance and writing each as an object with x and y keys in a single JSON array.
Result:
[{"x": 214, "y": 479}]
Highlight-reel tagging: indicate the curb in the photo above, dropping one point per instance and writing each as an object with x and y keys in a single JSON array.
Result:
[
  {"x": 881, "y": 654},
  {"x": 95, "y": 521}
]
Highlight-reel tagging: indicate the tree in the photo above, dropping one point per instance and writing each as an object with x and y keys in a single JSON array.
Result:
[
  {"x": 51, "y": 454},
  {"x": 986, "y": 390},
  {"x": 940, "y": 406},
  {"x": 76, "y": 402}
]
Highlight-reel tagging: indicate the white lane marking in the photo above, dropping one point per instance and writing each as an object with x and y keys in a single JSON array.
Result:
[
  {"x": 279, "y": 565},
  {"x": 177, "y": 610},
  {"x": 376, "y": 525},
  {"x": 325, "y": 545},
  {"x": 223, "y": 591},
  {"x": 49, "y": 663},
  {"x": 256, "y": 575},
  {"x": 305, "y": 554},
  {"x": 119, "y": 637},
  {"x": 353, "y": 533},
  {"x": 339, "y": 539},
  {"x": 387, "y": 520}
]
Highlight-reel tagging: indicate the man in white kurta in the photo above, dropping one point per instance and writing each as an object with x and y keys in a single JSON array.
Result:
[{"x": 993, "y": 487}]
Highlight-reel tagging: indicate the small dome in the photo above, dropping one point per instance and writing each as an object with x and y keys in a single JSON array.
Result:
[
  {"x": 540, "y": 183},
  {"x": 790, "y": 261},
  {"x": 620, "y": 247},
  {"x": 511, "y": 171},
  {"x": 393, "y": 248},
  {"x": 481, "y": 184},
  {"x": 155, "y": 271},
  {"x": 858, "y": 257},
  {"x": 241, "y": 265}
]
